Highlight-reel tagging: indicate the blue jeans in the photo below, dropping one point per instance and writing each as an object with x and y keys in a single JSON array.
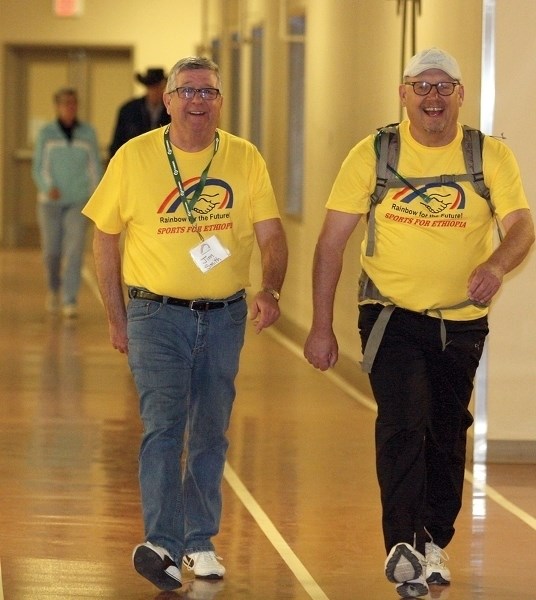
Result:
[
  {"x": 63, "y": 238},
  {"x": 184, "y": 364}
]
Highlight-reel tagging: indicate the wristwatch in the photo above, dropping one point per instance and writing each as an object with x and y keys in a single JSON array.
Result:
[{"x": 272, "y": 292}]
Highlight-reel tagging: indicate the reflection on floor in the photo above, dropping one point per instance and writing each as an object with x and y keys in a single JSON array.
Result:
[{"x": 301, "y": 509}]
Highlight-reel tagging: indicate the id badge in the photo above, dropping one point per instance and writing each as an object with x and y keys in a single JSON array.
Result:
[{"x": 209, "y": 253}]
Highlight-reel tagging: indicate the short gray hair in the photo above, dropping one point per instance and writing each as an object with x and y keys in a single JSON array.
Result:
[
  {"x": 191, "y": 63},
  {"x": 65, "y": 92}
]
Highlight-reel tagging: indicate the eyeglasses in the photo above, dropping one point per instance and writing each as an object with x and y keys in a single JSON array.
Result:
[
  {"x": 423, "y": 88},
  {"x": 188, "y": 93}
]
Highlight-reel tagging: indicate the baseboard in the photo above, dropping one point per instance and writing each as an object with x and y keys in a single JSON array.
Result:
[{"x": 511, "y": 451}]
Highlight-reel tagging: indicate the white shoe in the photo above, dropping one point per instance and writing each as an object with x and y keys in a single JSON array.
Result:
[
  {"x": 403, "y": 563},
  {"x": 405, "y": 567},
  {"x": 155, "y": 564},
  {"x": 70, "y": 311},
  {"x": 437, "y": 571},
  {"x": 204, "y": 564}
]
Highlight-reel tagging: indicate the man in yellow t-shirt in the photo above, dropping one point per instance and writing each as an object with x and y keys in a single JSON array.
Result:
[
  {"x": 191, "y": 201},
  {"x": 423, "y": 304}
]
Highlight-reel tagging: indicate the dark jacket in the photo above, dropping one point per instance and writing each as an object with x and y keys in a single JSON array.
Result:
[{"x": 133, "y": 119}]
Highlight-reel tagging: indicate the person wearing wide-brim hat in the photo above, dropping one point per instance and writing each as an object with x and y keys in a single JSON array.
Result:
[
  {"x": 152, "y": 77},
  {"x": 141, "y": 114}
]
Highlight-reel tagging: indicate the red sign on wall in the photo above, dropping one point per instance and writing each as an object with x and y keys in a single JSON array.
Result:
[{"x": 68, "y": 8}]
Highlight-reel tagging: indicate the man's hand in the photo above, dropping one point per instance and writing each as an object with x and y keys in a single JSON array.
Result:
[
  {"x": 264, "y": 310},
  {"x": 321, "y": 349},
  {"x": 484, "y": 283}
]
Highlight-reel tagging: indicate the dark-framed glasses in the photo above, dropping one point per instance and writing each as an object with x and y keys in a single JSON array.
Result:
[
  {"x": 188, "y": 93},
  {"x": 423, "y": 88}
]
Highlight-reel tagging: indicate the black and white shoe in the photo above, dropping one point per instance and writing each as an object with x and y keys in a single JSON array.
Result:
[{"x": 155, "y": 564}]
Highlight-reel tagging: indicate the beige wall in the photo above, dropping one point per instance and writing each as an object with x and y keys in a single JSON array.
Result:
[
  {"x": 160, "y": 32},
  {"x": 352, "y": 72},
  {"x": 512, "y": 372}
]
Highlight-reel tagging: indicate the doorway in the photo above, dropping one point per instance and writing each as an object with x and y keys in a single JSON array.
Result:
[{"x": 102, "y": 76}]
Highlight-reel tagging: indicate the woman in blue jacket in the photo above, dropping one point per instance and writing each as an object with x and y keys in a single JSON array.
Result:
[{"x": 66, "y": 170}]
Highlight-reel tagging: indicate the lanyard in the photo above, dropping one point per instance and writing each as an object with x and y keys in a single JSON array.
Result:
[{"x": 188, "y": 204}]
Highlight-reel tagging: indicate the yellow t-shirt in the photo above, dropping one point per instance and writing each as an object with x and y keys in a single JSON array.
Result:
[
  {"x": 138, "y": 194},
  {"x": 425, "y": 252}
]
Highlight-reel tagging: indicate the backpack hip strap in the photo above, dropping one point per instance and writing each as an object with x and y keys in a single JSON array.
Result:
[
  {"x": 369, "y": 291},
  {"x": 375, "y": 338}
]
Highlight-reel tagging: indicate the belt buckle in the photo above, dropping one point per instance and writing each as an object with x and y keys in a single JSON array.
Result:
[{"x": 199, "y": 305}]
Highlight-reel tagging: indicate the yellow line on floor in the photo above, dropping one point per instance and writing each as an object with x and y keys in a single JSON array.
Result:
[
  {"x": 273, "y": 535},
  {"x": 1, "y": 586}
]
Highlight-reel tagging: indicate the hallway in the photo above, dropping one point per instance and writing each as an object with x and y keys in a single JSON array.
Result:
[{"x": 301, "y": 504}]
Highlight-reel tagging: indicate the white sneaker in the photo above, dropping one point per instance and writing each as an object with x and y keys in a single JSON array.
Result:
[
  {"x": 204, "y": 564},
  {"x": 437, "y": 571},
  {"x": 70, "y": 311},
  {"x": 405, "y": 567},
  {"x": 403, "y": 563},
  {"x": 155, "y": 564}
]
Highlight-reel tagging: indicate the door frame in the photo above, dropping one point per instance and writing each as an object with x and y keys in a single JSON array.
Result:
[{"x": 17, "y": 155}]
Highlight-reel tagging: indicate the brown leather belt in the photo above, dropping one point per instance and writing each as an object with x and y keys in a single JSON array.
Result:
[{"x": 191, "y": 304}]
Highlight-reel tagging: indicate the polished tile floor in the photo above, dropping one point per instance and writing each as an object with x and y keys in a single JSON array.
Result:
[{"x": 301, "y": 511}]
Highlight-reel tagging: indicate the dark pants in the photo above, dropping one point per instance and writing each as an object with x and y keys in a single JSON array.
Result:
[{"x": 422, "y": 393}]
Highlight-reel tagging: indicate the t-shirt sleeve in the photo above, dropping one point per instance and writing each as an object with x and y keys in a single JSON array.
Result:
[{"x": 355, "y": 181}]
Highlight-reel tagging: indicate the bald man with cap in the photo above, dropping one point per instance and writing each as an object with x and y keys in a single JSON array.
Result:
[{"x": 429, "y": 279}]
